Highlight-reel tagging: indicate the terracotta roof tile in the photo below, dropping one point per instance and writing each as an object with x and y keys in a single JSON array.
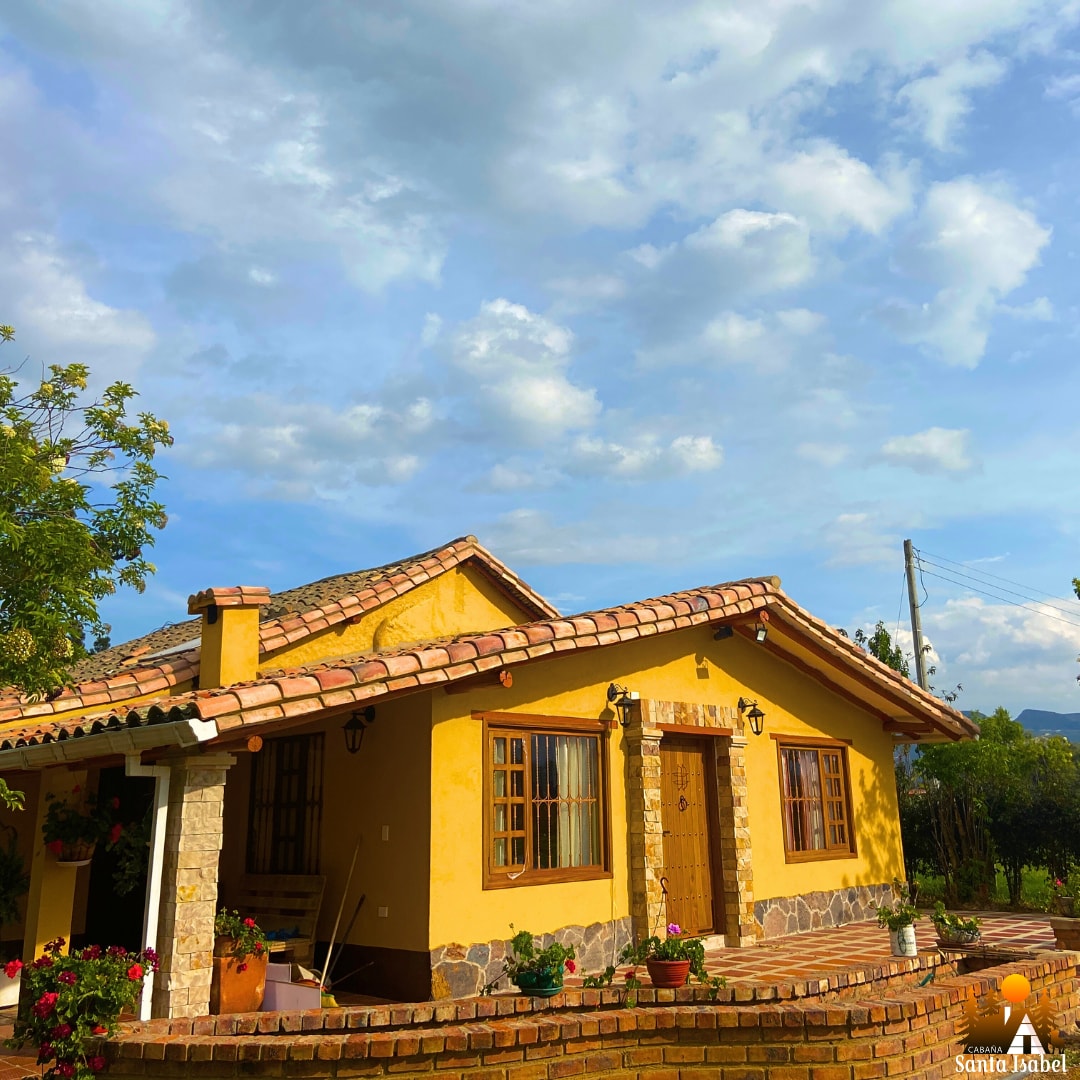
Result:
[{"x": 308, "y": 690}]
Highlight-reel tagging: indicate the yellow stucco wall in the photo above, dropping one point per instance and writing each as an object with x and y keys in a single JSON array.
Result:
[
  {"x": 685, "y": 666},
  {"x": 459, "y": 601},
  {"x": 386, "y": 783}
]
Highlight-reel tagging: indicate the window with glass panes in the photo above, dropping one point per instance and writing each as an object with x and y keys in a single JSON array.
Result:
[
  {"x": 545, "y": 806},
  {"x": 814, "y": 801}
]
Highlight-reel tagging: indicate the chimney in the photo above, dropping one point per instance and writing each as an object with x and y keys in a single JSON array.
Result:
[{"x": 230, "y": 633}]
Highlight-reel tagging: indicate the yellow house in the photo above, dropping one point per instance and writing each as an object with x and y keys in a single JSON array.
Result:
[{"x": 716, "y": 758}]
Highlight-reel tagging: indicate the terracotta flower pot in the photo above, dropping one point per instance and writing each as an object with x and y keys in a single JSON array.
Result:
[
  {"x": 238, "y": 984},
  {"x": 668, "y": 974}
]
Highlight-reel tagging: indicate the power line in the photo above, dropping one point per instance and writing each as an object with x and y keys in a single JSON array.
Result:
[
  {"x": 1073, "y": 612},
  {"x": 986, "y": 573},
  {"x": 1004, "y": 600}
]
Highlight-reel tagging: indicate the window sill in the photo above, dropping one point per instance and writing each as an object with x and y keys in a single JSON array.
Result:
[
  {"x": 817, "y": 856},
  {"x": 545, "y": 877}
]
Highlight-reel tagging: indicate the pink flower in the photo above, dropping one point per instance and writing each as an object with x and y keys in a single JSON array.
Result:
[
  {"x": 65, "y": 1069},
  {"x": 135, "y": 972},
  {"x": 68, "y": 978},
  {"x": 55, "y": 846},
  {"x": 674, "y": 929},
  {"x": 249, "y": 923},
  {"x": 45, "y": 1005},
  {"x": 571, "y": 966},
  {"x": 1058, "y": 882},
  {"x": 96, "y": 1063},
  {"x": 12, "y": 968},
  {"x": 61, "y": 1031},
  {"x": 241, "y": 966},
  {"x": 115, "y": 832}
]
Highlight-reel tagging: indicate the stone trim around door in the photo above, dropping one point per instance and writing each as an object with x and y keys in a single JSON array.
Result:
[
  {"x": 648, "y": 724},
  {"x": 782, "y": 915},
  {"x": 464, "y": 970}
]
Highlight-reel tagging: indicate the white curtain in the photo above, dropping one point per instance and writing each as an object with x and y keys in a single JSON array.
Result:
[{"x": 575, "y": 800}]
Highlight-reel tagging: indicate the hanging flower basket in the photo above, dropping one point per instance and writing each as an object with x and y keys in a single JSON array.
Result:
[{"x": 76, "y": 852}]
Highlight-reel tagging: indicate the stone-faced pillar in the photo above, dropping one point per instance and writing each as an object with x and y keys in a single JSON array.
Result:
[
  {"x": 189, "y": 885},
  {"x": 735, "y": 851},
  {"x": 645, "y": 827}
]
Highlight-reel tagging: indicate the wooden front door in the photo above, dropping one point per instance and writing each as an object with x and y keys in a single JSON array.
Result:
[{"x": 688, "y": 808}]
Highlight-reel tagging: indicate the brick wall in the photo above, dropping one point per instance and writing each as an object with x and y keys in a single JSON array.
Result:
[{"x": 669, "y": 1035}]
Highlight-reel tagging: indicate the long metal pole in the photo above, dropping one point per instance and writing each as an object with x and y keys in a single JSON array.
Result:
[{"x": 916, "y": 617}]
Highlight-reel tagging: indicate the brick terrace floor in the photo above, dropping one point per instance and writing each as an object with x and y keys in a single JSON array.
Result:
[{"x": 815, "y": 954}]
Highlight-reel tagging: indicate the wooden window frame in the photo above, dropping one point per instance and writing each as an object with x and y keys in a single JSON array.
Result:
[
  {"x": 796, "y": 742},
  {"x": 527, "y": 725}
]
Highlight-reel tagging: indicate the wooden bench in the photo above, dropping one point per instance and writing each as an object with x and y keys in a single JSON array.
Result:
[{"x": 284, "y": 902}]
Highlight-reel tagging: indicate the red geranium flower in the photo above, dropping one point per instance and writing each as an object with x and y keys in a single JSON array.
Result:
[
  {"x": 100, "y": 1029},
  {"x": 45, "y": 1004},
  {"x": 61, "y": 1031},
  {"x": 116, "y": 802},
  {"x": 249, "y": 923},
  {"x": 68, "y": 978},
  {"x": 55, "y": 846},
  {"x": 115, "y": 832},
  {"x": 135, "y": 972},
  {"x": 65, "y": 1069},
  {"x": 571, "y": 966},
  {"x": 44, "y": 1052},
  {"x": 12, "y": 968},
  {"x": 241, "y": 966},
  {"x": 43, "y": 962},
  {"x": 95, "y": 1063}
]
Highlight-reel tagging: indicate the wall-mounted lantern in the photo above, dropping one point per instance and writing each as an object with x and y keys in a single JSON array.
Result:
[
  {"x": 623, "y": 700},
  {"x": 753, "y": 714},
  {"x": 354, "y": 728}
]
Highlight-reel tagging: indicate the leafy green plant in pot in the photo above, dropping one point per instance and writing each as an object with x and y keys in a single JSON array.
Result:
[
  {"x": 900, "y": 917},
  {"x": 537, "y": 971},
  {"x": 240, "y": 956},
  {"x": 954, "y": 929},
  {"x": 670, "y": 960},
  {"x": 72, "y": 830}
]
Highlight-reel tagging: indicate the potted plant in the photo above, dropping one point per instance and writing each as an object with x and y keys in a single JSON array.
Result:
[
  {"x": 74, "y": 1000},
  {"x": 900, "y": 917},
  {"x": 537, "y": 971},
  {"x": 954, "y": 929},
  {"x": 240, "y": 956},
  {"x": 671, "y": 960},
  {"x": 73, "y": 830},
  {"x": 14, "y": 882},
  {"x": 1064, "y": 898}
]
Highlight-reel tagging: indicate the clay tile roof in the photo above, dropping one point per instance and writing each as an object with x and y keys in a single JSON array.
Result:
[{"x": 295, "y": 613}]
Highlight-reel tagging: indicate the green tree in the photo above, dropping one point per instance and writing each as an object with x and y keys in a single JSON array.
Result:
[{"x": 77, "y": 513}]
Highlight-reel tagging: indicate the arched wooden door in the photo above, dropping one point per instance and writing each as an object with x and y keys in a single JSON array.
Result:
[{"x": 691, "y": 858}]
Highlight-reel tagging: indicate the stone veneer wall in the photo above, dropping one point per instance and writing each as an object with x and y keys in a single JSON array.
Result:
[
  {"x": 670, "y": 1035},
  {"x": 812, "y": 911},
  {"x": 189, "y": 885},
  {"x": 462, "y": 970}
]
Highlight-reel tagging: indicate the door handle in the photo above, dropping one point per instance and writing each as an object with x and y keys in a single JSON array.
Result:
[{"x": 667, "y": 832}]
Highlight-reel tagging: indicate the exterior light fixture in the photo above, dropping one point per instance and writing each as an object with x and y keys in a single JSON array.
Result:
[
  {"x": 754, "y": 715},
  {"x": 761, "y": 633},
  {"x": 623, "y": 700},
  {"x": 354, "y": 728},
  {"x": 723, "y": 633}
]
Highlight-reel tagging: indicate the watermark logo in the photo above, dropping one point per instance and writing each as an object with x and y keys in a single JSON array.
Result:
[{"x": 1010, "y": 1032}]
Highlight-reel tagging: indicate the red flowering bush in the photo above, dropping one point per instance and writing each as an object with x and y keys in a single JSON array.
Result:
[
  {"x": 69, "y": 1000},
  {"x": 248, "y": 939}
]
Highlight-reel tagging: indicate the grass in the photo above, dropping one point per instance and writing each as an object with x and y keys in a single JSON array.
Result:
[{"x": 1035, "y": 892}]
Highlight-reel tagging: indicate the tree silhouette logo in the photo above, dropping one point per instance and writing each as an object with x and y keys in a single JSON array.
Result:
[{"x": 1008, "y": 1023}]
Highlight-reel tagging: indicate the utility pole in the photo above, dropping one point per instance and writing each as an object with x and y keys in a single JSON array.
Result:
[{"x": 916, "y": 617}]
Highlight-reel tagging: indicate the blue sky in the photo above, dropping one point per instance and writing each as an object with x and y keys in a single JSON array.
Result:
[{"x": 646, "y": 296}]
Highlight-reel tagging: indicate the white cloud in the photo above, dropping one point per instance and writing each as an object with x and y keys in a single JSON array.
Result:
[
  {"x": 1038, "y": 310},
  {"x": 977, "y": 246},
  {"x": 858, "y": 538},
  {"x": 646, "y": 458},
  {"x": 939, "y": 103},
  {"x": 935, "y": 450},
  {"x": 516, "y": 362},
  {"x": 828, "y": 455}
]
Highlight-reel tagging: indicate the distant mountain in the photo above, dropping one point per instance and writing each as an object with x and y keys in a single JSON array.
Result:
[{"x": 1042, "y": 722}]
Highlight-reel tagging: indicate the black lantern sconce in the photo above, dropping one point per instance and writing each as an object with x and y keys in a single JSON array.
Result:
[
  {"x": 755, "y": 715},
  {"x": 623, "y": 700},
  {"x": 761, "y": 631},
  {"x": 355, "y": 726}
]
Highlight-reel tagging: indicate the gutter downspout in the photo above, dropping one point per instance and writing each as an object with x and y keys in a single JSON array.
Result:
[{"x": 161, "y": 775}]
